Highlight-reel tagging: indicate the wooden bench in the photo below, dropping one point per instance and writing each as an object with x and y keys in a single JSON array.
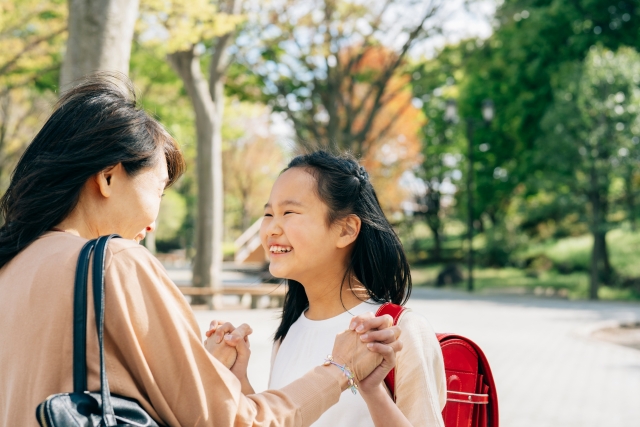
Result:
[{"x": 275, "y": 292}]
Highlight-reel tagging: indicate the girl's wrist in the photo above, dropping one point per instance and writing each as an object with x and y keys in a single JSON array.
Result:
[{"x": 376, "y": 394}]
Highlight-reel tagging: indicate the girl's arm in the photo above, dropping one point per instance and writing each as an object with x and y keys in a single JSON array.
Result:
[
  {"x": 384, "y": 412},
  {"x": 421, "y": 389},
  {"x": 382, "y": 408},
  {"x": 420, "y": 380}
]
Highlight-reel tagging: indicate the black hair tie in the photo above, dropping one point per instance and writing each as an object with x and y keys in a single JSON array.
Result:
[{"x": 361, "y": 174}]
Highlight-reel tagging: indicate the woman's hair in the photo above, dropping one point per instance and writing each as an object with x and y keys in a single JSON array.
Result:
[
  {"x": 94, "y": 125},
  {"x": 377, "y": 260}
]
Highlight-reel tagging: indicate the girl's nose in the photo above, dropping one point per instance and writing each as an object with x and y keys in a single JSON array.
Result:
[{"x": 273, "y": 228}]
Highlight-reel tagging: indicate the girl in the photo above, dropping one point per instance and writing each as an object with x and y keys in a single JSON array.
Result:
[{"x": 326, "y": 234}]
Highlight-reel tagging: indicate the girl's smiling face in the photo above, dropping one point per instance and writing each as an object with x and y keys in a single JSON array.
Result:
[{"x": 295, "y": 232}]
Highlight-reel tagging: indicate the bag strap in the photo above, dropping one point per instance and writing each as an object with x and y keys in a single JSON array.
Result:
[
  {"x": 99, "y": 247},
  {"x": 80, "y": 319},
  {"x": 108, "y": 416},
  {"x": 395, "y": 311}
]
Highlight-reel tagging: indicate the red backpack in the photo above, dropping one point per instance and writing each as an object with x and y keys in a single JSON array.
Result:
[{"x": 472, "y": 400}]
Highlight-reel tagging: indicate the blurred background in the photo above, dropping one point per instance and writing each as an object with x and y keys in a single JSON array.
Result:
[{"x": 502, "y": 136}]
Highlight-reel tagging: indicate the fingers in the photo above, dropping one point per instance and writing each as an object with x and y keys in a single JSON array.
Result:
[
  {"x": 244, "y": 349},
  {"x": 384, "y": 336},
  {"x": 220, "y": 331},
  {"x": 213, "y": 326},
  {"x": 388, "y": 352},
  {"x": 239, "y": 335},
  {"x": 365, "y": 322},
  {"x": 396, "y": 345}
]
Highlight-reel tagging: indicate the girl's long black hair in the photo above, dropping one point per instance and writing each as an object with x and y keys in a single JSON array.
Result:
[
  {"x": 96, "y": 124},
  {"x": 378, "y": 260}
]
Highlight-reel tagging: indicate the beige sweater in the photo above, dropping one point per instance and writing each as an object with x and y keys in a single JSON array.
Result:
[{"x": 153, "y": 345}]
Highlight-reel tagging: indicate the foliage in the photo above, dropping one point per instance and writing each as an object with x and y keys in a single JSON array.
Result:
[
  {"x": 323, "y": 64},
  {"x": 173, "y": 210},
  {"x": 435, "y": 83},
  {"x": 175, "y": 25},
  {"x": 252, "y": 160},
  {"x": 516, "y": 67},
  {"x": 32, "y": 34}
]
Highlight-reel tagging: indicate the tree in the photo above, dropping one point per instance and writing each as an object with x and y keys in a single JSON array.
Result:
[
  {"x": 31, "y": 38},
  {"x": 436, "y": 82},
  {"x": 515, "y": 68},
  {"x": 332, "y": 66},
  {"x": 196, "y": 28},
  {"x": 591, "y": 129},
  {"x": 100, "y": 35},
  {"x": 252, "y": 160}
]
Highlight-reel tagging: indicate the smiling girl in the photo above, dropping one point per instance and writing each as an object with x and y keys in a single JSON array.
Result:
[{"x": 326, "y": 234}]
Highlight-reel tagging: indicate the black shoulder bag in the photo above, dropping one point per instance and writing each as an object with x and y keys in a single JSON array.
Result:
[{"x": 82, "y": 408}]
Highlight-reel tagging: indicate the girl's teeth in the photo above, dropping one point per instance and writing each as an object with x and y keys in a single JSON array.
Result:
[{"x": 279, "y": 250}]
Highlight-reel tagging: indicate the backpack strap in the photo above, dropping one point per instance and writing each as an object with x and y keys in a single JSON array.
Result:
[{"x": 395, "y": 311}]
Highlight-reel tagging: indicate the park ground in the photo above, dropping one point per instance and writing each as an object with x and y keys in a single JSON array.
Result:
[{"x": 550, "y": 370}]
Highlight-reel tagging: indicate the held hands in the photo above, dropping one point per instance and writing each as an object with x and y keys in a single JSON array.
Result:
[
  {"x": 369, "y": 349},
  {"x": 230, "y": 345}
]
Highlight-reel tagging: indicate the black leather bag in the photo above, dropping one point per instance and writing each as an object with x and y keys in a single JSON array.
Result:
[{"x": 83, "y": 408}]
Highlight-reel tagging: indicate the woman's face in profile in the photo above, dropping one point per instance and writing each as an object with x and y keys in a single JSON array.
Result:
[{"x": 135, "y": 200}]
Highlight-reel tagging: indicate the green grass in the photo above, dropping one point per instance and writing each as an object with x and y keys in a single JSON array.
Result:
[
  {"x": 513, "y": 280},
  {"x": 575, "y": 252},
  {"x": 546, "y": 261}
]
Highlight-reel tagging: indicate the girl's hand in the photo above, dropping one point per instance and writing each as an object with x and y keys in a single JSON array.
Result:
[
  {"x": 230, "y": 343},
  {"x": 215, "y": 342},
  {"x": 382, "y": 341}
]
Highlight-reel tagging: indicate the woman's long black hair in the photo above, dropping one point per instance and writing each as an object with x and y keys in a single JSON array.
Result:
[
  {"x": 94, "y": 125},
  {"x": 378, "y": 260}
]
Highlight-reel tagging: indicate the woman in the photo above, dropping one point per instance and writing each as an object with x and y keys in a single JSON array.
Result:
[{"x": 99, "y": 166}]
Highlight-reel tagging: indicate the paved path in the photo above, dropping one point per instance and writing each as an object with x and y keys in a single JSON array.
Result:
[{"x": 548, "y": 371}]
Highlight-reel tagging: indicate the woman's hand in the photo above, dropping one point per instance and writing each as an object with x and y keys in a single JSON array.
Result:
[
  {"x": 365, "y": 345},
  {"x": 216, "y": 335},
  {"x": 231, "y": 346}
]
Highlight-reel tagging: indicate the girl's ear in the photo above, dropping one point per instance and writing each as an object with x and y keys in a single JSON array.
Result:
[{"x": 349, "y": 230}]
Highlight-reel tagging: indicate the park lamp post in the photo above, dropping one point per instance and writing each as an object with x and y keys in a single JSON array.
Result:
[{"x": 451, "y": 116}]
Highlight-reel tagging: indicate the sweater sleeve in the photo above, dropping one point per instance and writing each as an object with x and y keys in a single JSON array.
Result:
[
  {"x": 421, "y": 388},
  {"x": 156, "y": 355}
]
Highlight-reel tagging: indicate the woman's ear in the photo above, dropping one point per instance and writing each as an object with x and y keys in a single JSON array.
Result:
[
  {"x": 104, "y": 178},
  {"x": 349, "y": 230}
]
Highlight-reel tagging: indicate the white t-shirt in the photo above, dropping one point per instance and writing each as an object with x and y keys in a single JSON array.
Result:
[{"x": 308, "y": 342}]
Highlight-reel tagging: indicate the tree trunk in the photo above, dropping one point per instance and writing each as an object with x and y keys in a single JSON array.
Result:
[
  {"x": 437, "y": 244},
  {"x": 100, "y": 35},
  {"x": 630, "y": 198},
  {"x": 599, "y": 254},
  {"x": 206, "y": 269}
]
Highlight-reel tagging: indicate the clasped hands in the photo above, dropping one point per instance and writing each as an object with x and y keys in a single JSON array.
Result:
[{"x": 368, "y": 347}]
